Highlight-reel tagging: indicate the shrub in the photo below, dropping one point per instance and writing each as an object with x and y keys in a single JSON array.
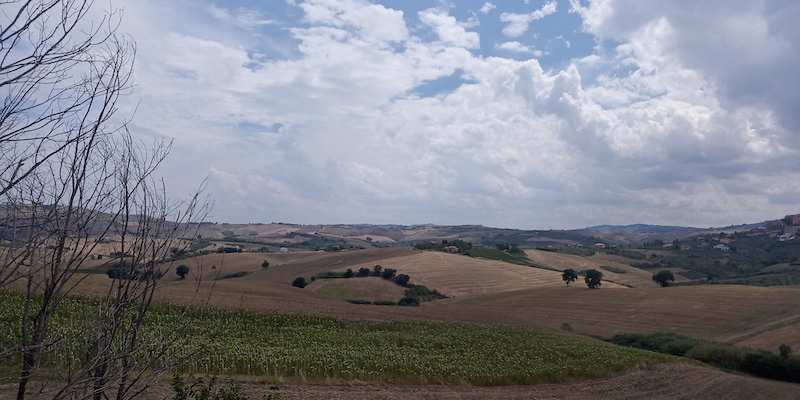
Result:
[
  {"x": 348, "y": 274},
  {"x": 384, "y": 303},
  {"x": 402, "y": 279},
  {"x": 363, "y": 272},
  {"x": 388, "y": 273},
  {"x": 299, "y": 282},
  {"x": 235, "y": 275},
  {"x": 357, "y": 301},
  {"x": 265, "y": 264},
  {"x": 408, "y": 302},
  {"x": 422, "y": 293},
  {"x": 376, "y": 271}
]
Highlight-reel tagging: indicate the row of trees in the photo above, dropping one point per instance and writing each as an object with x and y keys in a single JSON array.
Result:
[
  {"x": 73, "y": 177},
  {"x": 593, "y": 277}
]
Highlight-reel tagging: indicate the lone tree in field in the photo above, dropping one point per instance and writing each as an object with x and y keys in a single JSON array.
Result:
[
  {"x": 664, "y": 278},
  {"x": 569, "y": 276},
  {"x": 299, "y": 282},
  {"x": 265, "y": 264},
  {"x": 593, "y": 278},
  {"x": 182, "y": 271}
]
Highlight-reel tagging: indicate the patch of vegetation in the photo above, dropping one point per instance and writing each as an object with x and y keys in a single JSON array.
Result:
[
  {"x": 299, "y": 282},
  {"x": 455, "y": 246},
  {"x": 746, "y": 258},
  {"x": 572, "y": 250},
  {"x": 615, "y": 270},
  {"x": 762, "y": 363},
  {"x": 227, "y": 249},
  {"x": 422, "y": 294},
  {"x": 328, "y": 348},
  {"x": 514, "y": 258},
  {"x": 235, "y": 275}
]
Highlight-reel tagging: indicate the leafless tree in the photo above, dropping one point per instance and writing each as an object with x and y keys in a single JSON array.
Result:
[{"x": 72, "y": 177}]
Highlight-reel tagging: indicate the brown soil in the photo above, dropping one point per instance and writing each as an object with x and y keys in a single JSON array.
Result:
[{"x": 659, "y": 382}]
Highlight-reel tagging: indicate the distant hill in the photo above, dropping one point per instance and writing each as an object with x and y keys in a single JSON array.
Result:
[{"x": 640, "y": 228}]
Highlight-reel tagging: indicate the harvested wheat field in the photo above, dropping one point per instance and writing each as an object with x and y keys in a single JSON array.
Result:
[{"x": 493, "y": 292}]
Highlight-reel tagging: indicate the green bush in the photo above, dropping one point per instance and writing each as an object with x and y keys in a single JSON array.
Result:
[
  {"x": 388, "y": 273},
  {"x": 356, "y": 301},
  {"x": 235, "y": 275},
  {"x": 299, "y": 282},
  {"x": 760, "y": 363},
  {"x": 422, "y": 293},
  {"x": 402, "y": 279},
  {"x": 363, "y": 272},
  {"x": 408, "y": 301}
]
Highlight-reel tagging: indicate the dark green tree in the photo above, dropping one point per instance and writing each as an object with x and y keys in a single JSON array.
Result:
[
  {"x": 388, "y": 273},
  {"x": 265, "y": 264},
  {"x": 348, "y": 274},
  {"x": 593, "y": 278},
  {"x": 376, "y": 271},
  {"x": 363, "y": 272},
  {"x": 664, "y": 277},
  {"x": 569, "y": 276},
  {"x": 785, "y": 350},
  {"x": 402, "y": 279},
  {"x": 182, "y": 271},
  {"x": 299, "y": 282}
]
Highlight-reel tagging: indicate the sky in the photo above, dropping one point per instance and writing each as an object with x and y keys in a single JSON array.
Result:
[{"x": 523, "y": 114}]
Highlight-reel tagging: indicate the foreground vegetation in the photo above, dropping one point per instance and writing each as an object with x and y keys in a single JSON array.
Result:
[
  {"x": 783, "y": 366},
  {"x": 250, "y": 343}
]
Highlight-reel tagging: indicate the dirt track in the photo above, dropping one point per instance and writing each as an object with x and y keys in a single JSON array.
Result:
[{"x": 659, "y": 382}]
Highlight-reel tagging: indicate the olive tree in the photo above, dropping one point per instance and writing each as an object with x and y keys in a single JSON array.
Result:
[
  {"x": 593, "y": 278},
  {"x": 569, "y": 275},
  {"x": 664, "y": 277}
]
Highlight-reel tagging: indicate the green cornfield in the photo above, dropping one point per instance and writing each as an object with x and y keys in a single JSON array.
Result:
[{"x": 315, "y": 348}]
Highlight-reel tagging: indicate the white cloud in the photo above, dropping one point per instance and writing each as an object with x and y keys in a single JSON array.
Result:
[
  {"x": 448, "y": 29},
  {"x": 518, "y": 47},
  {"x": 666, "y": 114},
  {"x": 519, "y": 23},
  {"x": 487, "y": 7},
  {"x": 243, "y": 17}
]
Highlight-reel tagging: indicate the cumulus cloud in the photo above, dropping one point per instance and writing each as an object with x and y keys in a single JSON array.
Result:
[
  {"x": 487, "y": 7},
  {"x": 517, "y": 24},
  {"x": 450, "y": 30},
  {"x": 666, "y": 114}
]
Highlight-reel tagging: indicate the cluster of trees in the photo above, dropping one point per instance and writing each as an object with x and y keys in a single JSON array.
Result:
[
  {"x": 592, "y": 277},
  {"x": 509, "y": 247},
  {"x": 71, "y": 177},
  {"x": 459, "y": 244},
  {"x": 378, "y": 270},
  {"x": 229, "y": 249}
]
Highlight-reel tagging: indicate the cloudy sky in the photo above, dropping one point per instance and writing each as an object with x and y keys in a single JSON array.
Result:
[{"x": 517, "y": 113}]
